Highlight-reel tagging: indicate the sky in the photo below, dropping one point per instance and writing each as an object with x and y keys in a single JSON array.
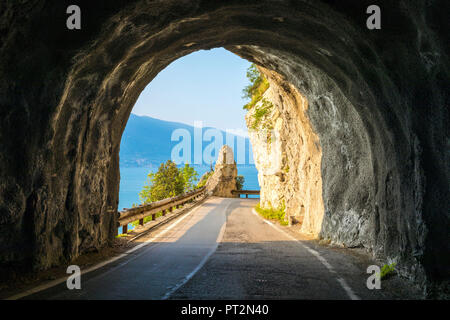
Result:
[{"x": 203, "y": 86}]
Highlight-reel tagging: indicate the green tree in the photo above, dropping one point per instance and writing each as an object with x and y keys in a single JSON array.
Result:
[
  {"x": 239, "y": 182},
  {"x": 167, "y": 182},
  {"x": 189, "y": 176}
]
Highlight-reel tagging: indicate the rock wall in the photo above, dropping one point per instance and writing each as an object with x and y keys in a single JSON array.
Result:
[
  {"x": 288, "y": 156},
  {"x": 377, "y": 100}
]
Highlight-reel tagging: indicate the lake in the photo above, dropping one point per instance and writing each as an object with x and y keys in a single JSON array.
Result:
[{"x": 133, "y": 179}]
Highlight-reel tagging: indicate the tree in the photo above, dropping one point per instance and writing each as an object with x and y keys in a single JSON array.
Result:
[
  {"x": 239, "y": 182},
  {"x": 167, "y": 182},
  {"x": 189, "y": 177}
]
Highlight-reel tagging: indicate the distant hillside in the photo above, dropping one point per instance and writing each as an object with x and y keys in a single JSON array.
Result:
[{"x": 147, "y": 141}]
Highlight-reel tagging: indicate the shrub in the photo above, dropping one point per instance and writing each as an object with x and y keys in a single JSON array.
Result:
[
  {"x": 261, "y": 111},
  {"x": 240, "y": 182},
  {"x": 387, "y": 270},
  {"x": 273, "y": 213},
  {"x": 259, "y": 106},
  {"x": 255, "y": 90}
]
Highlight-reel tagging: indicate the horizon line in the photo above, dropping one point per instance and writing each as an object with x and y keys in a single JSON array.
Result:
[{"x": 192, "y": 125}]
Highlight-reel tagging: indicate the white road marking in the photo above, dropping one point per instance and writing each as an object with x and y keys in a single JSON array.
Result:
[
  {"x": 347, "y": 289},
  {"x": 101, "y": 264},
  {"x": 341, "y": 281},
  {"x": 200, "y": 265}
]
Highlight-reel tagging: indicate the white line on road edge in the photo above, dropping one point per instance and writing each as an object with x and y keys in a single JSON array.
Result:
[
  {"x": 341, "y": 281},
  {"x": 200, "y": 265},
  {"x": 99, "y": 265}
]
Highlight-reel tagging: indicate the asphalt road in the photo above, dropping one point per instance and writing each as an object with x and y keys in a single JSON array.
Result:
[{"x": 222, "y": 250}]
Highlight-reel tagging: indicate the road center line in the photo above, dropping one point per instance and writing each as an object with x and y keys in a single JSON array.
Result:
[
  {"x": 201, "y": 264},
  {"x": 316, "y": 254}
]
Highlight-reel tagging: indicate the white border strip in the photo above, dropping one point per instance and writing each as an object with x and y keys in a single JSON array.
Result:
[
  {"x": 200, "y": 265},
  {"x": 99, "y": 265},
  {"x": 330, "y": 268}
]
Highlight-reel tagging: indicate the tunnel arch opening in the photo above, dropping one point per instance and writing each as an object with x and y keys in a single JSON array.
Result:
[
  {"x": 186, "y": 114},
  {"x": 372, "y": 166},
  {"x": 349, "y": 132}
]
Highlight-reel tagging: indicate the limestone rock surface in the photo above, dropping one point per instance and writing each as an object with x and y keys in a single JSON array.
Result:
[
  {"x": 288, "y": 156},
  {"x": 223, "y": 181}
]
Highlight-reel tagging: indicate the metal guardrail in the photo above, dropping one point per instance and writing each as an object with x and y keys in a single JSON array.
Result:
[
  {"x": 139, "y": 213},
  {"x": 246, "y": 192}
]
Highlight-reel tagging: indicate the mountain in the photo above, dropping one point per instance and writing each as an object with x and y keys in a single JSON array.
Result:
[{"x": 146, "y": 142}]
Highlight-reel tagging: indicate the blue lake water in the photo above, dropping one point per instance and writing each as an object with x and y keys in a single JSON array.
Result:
[{"x": 133, "y": 179}]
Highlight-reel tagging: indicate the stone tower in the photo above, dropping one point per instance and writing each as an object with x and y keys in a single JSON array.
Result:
[{"x": 223, "y": 181}]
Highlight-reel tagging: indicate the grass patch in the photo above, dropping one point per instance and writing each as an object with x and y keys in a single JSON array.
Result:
[
  {"x": 273, "y": 213},
  {"x": 122, "y": 235},
  {"x": 387, "y": 271},
  {"x": 146, "y": 219}
]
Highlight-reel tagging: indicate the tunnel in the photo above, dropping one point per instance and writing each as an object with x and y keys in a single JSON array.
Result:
[{"x": 371, "y": 108}]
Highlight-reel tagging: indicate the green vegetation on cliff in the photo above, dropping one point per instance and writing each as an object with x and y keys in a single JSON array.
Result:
[
  {"x": 258, "y": 85},
  {"x": 260, "y": 113},
  {"x": 204, "y": 179},
  {"x": 259, "y": 107},
  {"x": 387, "y": 270}
]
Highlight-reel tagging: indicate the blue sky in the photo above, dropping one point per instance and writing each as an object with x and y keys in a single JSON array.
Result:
[{"x": 203, "y": 86}]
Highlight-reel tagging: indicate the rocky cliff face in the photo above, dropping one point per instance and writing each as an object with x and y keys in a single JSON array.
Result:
[
  {"x": 376, "y": 99},
  {"x": 287, "y": 155}
]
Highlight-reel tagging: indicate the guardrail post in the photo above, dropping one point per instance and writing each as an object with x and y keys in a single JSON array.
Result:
[
  {"x": 246, "y": 195},
  {"x": 164, "y": 212},
  {"x": 153, "y": 216},
  {"x": 125, "y": 228},
  {"x": 170, "y": 209},
  {"x": 141, "y": 222}
]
